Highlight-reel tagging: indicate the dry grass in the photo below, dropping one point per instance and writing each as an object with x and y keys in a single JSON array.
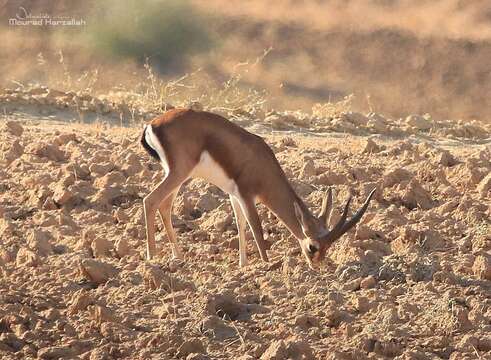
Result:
[{"x": 333, "y": 109}]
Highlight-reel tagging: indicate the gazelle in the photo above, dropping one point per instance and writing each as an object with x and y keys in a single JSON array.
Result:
[{"x": 200, "y": 144}]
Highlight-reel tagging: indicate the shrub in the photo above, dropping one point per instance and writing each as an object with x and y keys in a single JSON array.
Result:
[{"x": 164, "y": 31}]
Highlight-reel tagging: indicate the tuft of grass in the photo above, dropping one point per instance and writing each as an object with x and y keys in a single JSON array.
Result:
[{"x": 333, "y": 109}]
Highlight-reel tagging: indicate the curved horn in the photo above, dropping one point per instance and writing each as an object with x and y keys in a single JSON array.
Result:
[
  {"x": 342, "y": 225},
  {"x": 325, "y": 213}
]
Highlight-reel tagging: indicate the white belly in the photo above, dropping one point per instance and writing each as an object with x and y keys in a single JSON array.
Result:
[{"x": 209, "y": 170}]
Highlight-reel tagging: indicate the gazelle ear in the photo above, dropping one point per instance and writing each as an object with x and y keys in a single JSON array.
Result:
[{"x": 299, "y": 214}]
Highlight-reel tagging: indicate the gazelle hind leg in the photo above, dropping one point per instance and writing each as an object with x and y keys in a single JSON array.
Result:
[
  {"x": 241, "y": 229},
  {"x": 165, "y": 211},
  {"x": 151, "y": 203},
  {"x": 249, "y": 209}
]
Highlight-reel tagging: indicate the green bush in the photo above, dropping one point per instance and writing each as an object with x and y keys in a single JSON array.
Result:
[{"x": 163, "y": 31}]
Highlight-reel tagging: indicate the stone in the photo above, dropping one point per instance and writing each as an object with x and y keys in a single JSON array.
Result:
[
  {"x": 306, "y": 321},
  {"x": 362, "y": 304},
  {"x": 217, "y": 328},
  {"x": 446, "y": 159},
  {"x": 15, "y": 128},
  {"x": 368, "y": 282},
  {"x": 96, "y": 271},
  {"x": 80, "y": 301},
  {"x": 418, "y": 122},
  {"x": 308, "y": 169},
  {"x": 207, "y": 202},
  {"x": 275, "y": 351},
  {"x": 277, "y": 122},
  {"x": 49, "y": 151},
  {"x": 102, "y": 314},
  {"x": 56, "y": 352},
  {"x": 484, "y": 186},
  {"x": 482, "y": 267},
  {"x": 62, "y": 196},
  {"x": 64, "y": 139},
  {"x": 225, "y": 306},
  {"x": 101, "y": 247},
  {"x": 39, "y": 241},
  {"x": 370, "y": 147},
  {"x": 101, "y": 169},
  {"x": 415, "y": 196},
  {"x": 190, "y": 347},
  {"x": 156, "y": 278},
  {"x": 122, "y": 247},
  {"x": 396, "y": 176},
  {"x": 26, "y": 257}
]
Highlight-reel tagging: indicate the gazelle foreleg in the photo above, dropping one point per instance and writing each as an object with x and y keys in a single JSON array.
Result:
[
  {"x": 249, "y": 208},
  {"x": 165, "y": 211},
  {"x": 151, "y": 203},
  {"x": 241, "y": 229}
]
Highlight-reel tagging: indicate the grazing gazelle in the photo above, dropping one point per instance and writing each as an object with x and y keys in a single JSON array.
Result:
[{"x": 200, "y": 144}]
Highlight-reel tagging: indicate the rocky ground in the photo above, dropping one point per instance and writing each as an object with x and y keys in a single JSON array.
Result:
[{"x": 413, "y": 281}]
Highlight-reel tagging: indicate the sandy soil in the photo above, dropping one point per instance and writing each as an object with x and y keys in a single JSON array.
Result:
[{"x": 413, "y": 281}]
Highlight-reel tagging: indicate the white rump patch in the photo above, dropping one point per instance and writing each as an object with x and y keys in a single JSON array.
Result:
[{"x": 155, "y": 144}]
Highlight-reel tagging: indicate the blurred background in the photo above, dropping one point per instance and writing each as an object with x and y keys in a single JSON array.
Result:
[{"x": 396, "y": 57}]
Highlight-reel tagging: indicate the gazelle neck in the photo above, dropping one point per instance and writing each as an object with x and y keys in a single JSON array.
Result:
[{"x": 280, "y": 200}]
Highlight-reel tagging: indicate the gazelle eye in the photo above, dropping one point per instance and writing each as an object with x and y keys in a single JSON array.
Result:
[{"x": 312, "y": 249}]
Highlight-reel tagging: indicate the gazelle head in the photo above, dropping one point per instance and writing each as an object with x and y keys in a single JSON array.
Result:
[{"x": 317, "y": 235}]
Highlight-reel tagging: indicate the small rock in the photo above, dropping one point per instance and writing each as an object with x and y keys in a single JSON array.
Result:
[
  {"x": 396, "y": 176},
  {"x": 484, "y": 186},
  {"x": 49, "y": 151},
  {"x": 190, "y": 347},
  {"x": 102, "y": 314},
  {"x": 288, "y": 141},
  {"x": 97, "y": 271},
  {"x": 156, "y": 278},
  {"x": 14, "y": 127},
  {"x": 224, "y": 305},
  {"x": 56, "y": 352},
  {"x": 122, "y": 247},
  {"x": 356, "y": 118},
  {"x": 39, "y": 241},
  {"x": 362, "y": 304},
  {"x": 207, "y": 202},
  {"x": 371, "y": 147},
  {"x": 64, "y": 139},
  {"x": 482, "y": 267},
  {"x": 217, "y": 328},
  {"x": 446, "y": 159},
  {"x": 418, "y": 122},
  {"x": 377, "y": 123},
  {"x": 368, "y": 282},
  {"x": 275, "y": 351},
  {"x": 26, "y": 257},
  {"x": 308, "y": 169},
  {"x": 306, "y": 321},
  {"x": 277, "y": 122},
  {"x": 299, "y": 349},
  {"x": 101, "y": 169},
  {"x": 79, "y": 302},
  {"x": 101, "y": 247},
  {"x": 62, "y": 196},
  {"x": 416, "y": 196}
]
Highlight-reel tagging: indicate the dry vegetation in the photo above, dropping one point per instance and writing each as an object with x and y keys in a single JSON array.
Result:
[{"x": 412, "y": 282}]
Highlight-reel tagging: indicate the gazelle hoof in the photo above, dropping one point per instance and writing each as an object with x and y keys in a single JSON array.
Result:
[{"x": 177, "y": 254}]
